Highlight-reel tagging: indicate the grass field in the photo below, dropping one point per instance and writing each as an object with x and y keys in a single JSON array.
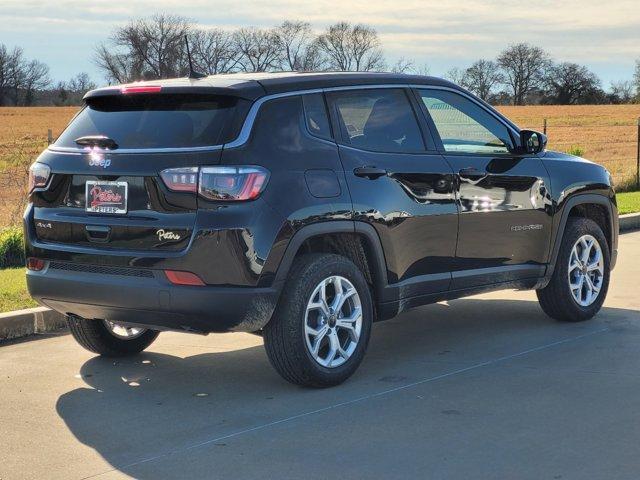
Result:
[
  {"x": 607, "y": 134},
  {"x": 628, "y": 202},
  {"x": 13, "y": 290}
]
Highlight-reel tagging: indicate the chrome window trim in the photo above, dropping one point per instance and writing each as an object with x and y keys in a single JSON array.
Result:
[{"x": 247, "y": 126}]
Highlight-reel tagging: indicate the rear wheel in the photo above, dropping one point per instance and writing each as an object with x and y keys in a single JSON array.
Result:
[
  {"x": 109, "y": 338},
  {"x": 580, "y": 279},
  {"x": 319, "y": 333}
]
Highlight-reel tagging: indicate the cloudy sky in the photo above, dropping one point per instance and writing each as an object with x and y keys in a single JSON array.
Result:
[{"x": 604, "y": 35}]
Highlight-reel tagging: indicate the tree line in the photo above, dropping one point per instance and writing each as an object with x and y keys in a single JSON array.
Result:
[
  {"x": 26, "y": 82},
  {"x": 153, "y": 48}
]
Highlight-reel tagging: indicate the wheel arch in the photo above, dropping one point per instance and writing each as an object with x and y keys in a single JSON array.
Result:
[
  {"x": 594, "y": 206},
  {"x": 345, "y": 238}
]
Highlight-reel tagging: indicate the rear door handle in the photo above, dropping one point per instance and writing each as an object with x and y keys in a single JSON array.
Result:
[
  {"x": 472, "y": 173},
  {"x": 370, "y": 172}
]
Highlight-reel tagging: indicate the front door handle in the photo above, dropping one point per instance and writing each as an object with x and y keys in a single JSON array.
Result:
[{"x": 370, "y": 172}]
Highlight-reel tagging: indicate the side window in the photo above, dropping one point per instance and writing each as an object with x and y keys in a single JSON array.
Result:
[
  {"x": 379, "y": 120},
  {"x": 315, "y": 113},
  {"x": 464, "y": 126}
]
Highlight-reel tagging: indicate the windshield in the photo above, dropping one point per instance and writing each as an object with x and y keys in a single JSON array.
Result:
[{"x": 154, "y": 121}]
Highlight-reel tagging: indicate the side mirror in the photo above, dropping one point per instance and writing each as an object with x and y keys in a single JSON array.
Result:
[{"x": 532, "y": 141}]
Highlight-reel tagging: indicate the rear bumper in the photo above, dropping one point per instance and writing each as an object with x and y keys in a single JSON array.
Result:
[{"x": 151, "y": 300}]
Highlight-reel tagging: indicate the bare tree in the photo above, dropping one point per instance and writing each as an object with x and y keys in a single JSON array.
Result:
[
  {"x": 524, "y": 67},
  {"x": 424, "y": 69},
  {"x": 455, "y": 75},
  {"x": 81, "y": 83},
  {"x": 351, "y": 48},
  {"x": 403, "y": 65},
  {"x": 35, "y": 78},
  {"x": 482, "y": 77},
  {"x": 622, "y": 91},
  {"x": 4, "y": 72},
  {"x": 569, "y": 83},
  {"x": 15, "y": 73},
  {"x": 148, "y": 48},
  {"x": 636, "y": 80},
  {"x": 259, "y": 49},
  {"x": 20, "y": 79},
  {"x": 298, "y": 47},
  {"x": 213, "y": 51},
  {"x": 117, "y": 67}
]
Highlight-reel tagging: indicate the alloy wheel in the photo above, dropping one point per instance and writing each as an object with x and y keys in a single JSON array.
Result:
[
  {"x": 333, "y": 321},
  {"x": 586, "y": 270},
  {"x": 123, "y": 332}
]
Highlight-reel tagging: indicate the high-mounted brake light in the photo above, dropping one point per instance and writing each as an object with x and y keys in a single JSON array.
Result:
[
  {"x": 38, "y": 176},
  {"x": 140, "y": 89},
  {"x": 181, "y": 179}
]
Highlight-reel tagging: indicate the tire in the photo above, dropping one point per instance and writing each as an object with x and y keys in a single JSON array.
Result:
[
  {"x": 557, "y": 298},
  {"x": 287, "y": 339},
  {"x": 96, "y": 336}
]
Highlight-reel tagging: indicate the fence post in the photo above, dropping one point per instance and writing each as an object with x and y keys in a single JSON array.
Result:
[
  {"x": 49, "y": 137},
  {"x": 638, "y": 159},
  {"x": 545, "y": 127}
]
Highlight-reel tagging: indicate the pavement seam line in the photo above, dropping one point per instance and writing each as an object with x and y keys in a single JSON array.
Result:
[{"x": 350, "y": 402}]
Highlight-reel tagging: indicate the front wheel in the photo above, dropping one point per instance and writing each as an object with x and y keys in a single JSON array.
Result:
[
  {"x": 108, "y": 338},
  {"x": 320, "y": 330},
  {"x": 580, "y": 279}
]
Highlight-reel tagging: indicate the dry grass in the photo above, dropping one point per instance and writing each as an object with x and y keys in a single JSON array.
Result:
[
  {"x": 606, "y": 133},
  {"x": 23, "y": 131},
  {"x": 23, "y": 135}
]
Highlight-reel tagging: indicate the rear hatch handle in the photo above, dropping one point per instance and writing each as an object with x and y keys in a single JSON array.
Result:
[
  {"x": 97, "y": 141},
  {"x": 98, "y": 233}
]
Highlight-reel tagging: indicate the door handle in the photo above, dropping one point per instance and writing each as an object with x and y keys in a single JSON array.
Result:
[
  {"x": 472, "y": 173},
  {"x": 370, "y": 172}
]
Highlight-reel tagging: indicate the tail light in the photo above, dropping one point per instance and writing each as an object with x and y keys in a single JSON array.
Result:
[
  {"x": 35, "y": 264},
  {"x": 181, "y": 179},
  {"x": 221, "y": 183},
  {"x": 38, "y": 176},
  {"x": 232, "y": 183}
]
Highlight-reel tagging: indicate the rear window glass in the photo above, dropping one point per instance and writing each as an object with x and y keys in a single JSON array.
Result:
[
  {"x": 378, "y": 120},
  {"x": 154, "y": 121},
  {"x": 316, "y": 115}
]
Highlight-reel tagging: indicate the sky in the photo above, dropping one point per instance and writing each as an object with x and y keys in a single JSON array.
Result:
[{"x": 604, "y": 35}]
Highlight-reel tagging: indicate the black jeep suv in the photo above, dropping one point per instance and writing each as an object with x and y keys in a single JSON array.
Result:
[{"x": 304, "y": 207}]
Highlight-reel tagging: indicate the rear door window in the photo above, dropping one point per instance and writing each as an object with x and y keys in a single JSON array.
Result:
[
  {"x": 379, "y": 120},
  {"x": 154, "y": 121}
]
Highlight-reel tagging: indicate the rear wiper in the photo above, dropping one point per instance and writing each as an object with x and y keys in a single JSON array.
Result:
[{"x": 97, "y": 141}]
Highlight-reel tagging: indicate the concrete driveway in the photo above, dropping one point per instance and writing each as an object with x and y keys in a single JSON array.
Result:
[{"x": 482, "y": 388}]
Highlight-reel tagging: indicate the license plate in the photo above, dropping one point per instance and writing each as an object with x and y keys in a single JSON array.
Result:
[{"x": 106, "y": 197}]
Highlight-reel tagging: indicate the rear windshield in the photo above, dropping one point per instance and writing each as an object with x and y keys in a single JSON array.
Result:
[{"x": 155, "y": 121}]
